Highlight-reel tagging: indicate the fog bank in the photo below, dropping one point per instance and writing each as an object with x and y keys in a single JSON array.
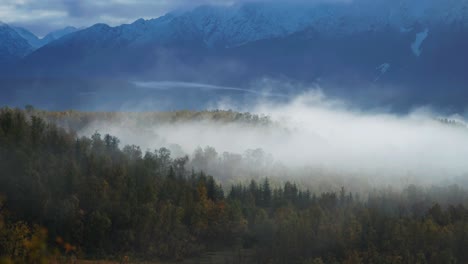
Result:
[{"x": 312, "y": 131}]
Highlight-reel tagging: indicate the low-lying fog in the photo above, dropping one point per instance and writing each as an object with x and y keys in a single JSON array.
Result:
[{"x": 314, "y": 132}]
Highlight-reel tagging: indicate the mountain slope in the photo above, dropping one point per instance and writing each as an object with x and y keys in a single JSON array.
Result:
[
  {"x": 54, "y": 35},
  {"x": 198, "y": 35},
  {"x": 393, "y": 51},
  {"x": 12, "y": 46},
  {"x": 32, "y": 39},
  {"x": 36, "y": 42}
]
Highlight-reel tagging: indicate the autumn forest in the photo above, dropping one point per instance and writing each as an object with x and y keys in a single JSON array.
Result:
[{"x": 65, "y": 196}]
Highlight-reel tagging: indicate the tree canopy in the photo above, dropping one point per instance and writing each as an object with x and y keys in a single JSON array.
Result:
[{"x": 66, "y": 195}]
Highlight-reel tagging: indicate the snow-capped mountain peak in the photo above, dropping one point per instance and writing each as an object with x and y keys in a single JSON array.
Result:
[
  {"x": 228, "y": 26},
  {"x": 231, "y": 26}
]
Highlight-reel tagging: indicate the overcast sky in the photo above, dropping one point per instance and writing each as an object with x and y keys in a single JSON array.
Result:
[{"x": 43, "y": 16}]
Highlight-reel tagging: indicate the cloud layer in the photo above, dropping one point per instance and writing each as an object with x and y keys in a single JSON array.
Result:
[{"x": 328, "y": 135}]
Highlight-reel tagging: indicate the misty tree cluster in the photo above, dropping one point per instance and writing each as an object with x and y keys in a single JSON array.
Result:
[
  {"x": 76, "y": 120},
  {"x": 65, "y": 195}
]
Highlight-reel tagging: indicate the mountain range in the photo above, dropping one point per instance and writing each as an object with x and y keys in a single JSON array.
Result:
[
  {"x": 37, "y": 42},
  {"x": 404, "y": 52},
  {"x": 13, "y": 47},
  {"x": 17, "y": 42}
]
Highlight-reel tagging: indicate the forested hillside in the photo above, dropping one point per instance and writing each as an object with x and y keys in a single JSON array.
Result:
[{"x": 65, "y": 196}]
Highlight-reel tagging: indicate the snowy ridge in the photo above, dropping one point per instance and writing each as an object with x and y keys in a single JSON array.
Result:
[{"x": 228, "y": 26}]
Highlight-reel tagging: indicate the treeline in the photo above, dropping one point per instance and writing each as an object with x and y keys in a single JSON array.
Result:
[
  {"x": 88, "y": 197},
  {"x": 77, "y": 120}
]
